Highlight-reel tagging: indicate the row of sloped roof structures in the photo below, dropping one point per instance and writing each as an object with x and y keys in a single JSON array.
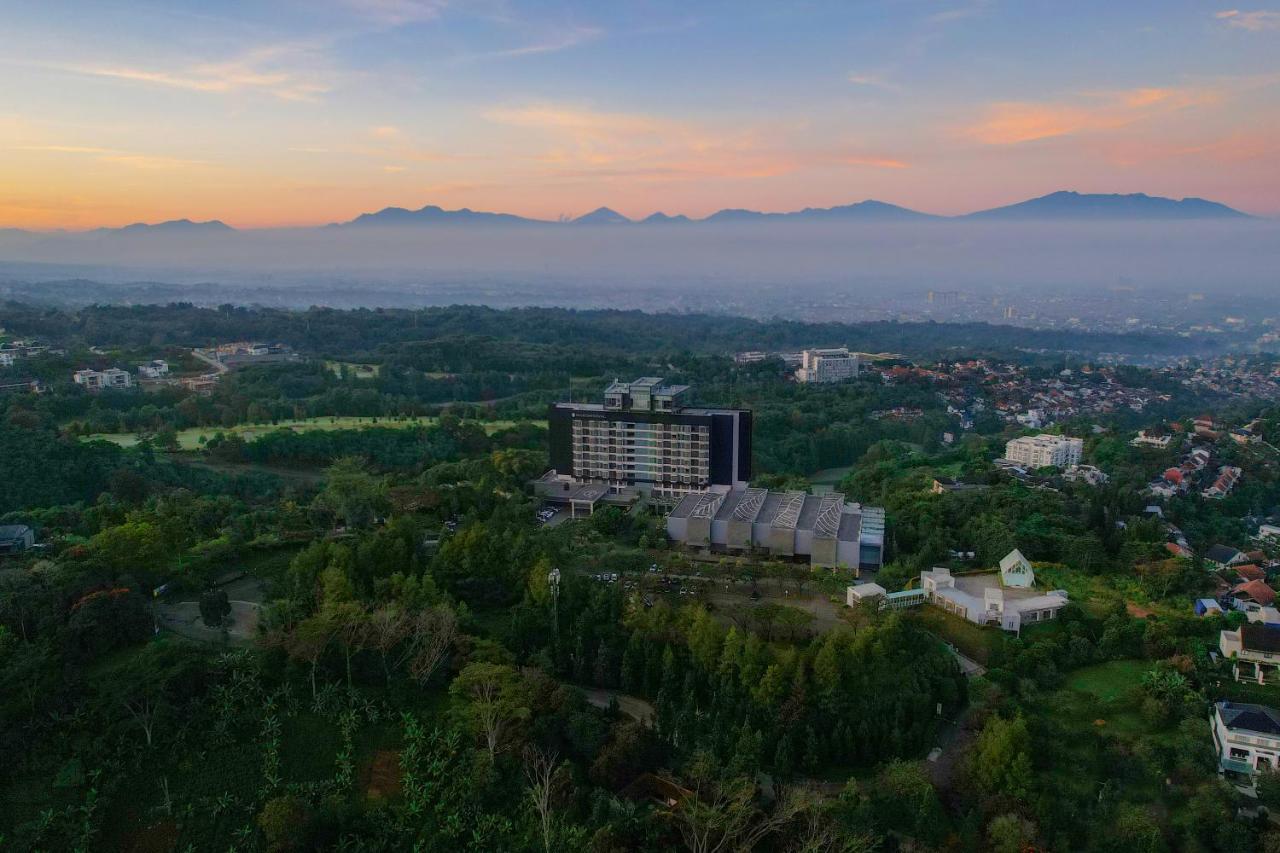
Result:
[{"x": 825, "y": 528}]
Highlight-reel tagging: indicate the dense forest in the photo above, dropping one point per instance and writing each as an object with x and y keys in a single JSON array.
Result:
[{"x": 317, "y": 608}]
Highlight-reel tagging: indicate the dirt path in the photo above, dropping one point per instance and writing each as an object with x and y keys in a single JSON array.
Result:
[{"x": 305, "y": 476}]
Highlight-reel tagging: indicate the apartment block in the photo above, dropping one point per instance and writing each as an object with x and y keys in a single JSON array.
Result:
[
  {"x": 828, "y": 365},
  {"x": 98, "y": 380},
  {"x": 1042, "y": 450}
]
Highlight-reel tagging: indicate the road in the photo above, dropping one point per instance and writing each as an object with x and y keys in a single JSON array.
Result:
[
  {"x": 634, "y": 707},
  {"x": 218, "y": 367}
]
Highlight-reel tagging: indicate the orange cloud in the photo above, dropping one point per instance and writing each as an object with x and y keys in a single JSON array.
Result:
[{"x": 1014, "y": 122}]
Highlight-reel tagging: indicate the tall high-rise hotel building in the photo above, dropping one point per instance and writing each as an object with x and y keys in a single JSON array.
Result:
[{"x": 645, "y": 436}]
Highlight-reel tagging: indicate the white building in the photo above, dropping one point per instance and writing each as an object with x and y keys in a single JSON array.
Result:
[
  {"x": 1147, "y": 439},
  {"x": 1039, "y": 451},
  {"x": 828, "y": 365},
  {"x": 157, "y": 369},
  {"x": 1247, "y": 739},
  {"x": 6, "y": 359},
  {"x": 858, "y": 593},
  {"x": 1007, "y": 599},
  {"x": 97, "y": 380}
]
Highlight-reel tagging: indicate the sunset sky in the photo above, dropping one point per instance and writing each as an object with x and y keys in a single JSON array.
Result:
[{"x": 311, "y": 111}]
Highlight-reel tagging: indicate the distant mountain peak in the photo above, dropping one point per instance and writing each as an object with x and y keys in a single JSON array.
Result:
[
  {"x": 602, "y": 216},
  {"x": 660, "y": 218},
  {"x": 212, "y": 226},
  {"x": 1069, "y": 204},
  {"x": 434, "y": 214}
]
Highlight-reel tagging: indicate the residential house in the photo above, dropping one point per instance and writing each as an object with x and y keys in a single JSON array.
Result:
[
  {"x": 1223, "y": 556},
  {"x": 6, "y": 359},
  {"x": 1248, "y": 572},
  {"x": 1228, "y": 476},
  {"x": 1251, "y": 595},
  {"x": 1247, "y": 739},
  {"x": 1254, "y": 651}
]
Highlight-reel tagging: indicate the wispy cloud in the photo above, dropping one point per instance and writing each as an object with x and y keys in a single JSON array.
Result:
[
  {"x": 959, "y": 13},
  {"x": 279, "y": 70},
  {"x": 132, "y": 159},
  {"x": 877, "y": 162},
  {"x": 385, "y": 131},
  {"x": 1256, "y": 21},
  {"x": 397, "y": 12},
  {"x": 1014, "y": 122},
  {"x": 583, "y": 143},
  {"x": 871, "y": 80},
  {"x": 551, "y": 42}
]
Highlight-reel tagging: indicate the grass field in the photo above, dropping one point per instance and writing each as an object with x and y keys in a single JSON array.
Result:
[{"x": 189, "y": 439}]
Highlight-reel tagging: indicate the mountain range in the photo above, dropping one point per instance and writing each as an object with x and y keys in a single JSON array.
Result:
[{"x": 1061, "y": 206}]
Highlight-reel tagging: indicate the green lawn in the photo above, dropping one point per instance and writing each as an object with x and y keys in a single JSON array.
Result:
[
  {"x": 1108, "y": 681},
  {"x": 972, "y": 640},
  {"x": 189, "y": 439}
]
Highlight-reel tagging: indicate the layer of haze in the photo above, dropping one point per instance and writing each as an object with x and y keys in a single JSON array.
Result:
[{"x": 865, "y": 260}]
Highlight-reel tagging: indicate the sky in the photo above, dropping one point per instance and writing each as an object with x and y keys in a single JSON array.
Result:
[{"x": 304, "y": 112}]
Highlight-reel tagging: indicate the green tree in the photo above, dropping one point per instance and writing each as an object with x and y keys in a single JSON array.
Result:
[
  {"x": 352, "y": 493},
  {"x": 495, "y": 701}
]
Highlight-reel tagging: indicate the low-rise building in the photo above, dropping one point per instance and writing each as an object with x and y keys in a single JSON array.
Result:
[
  {"x": 16, "y": 538},
  {"x": 1207, "y": 607},
  {"x": 827, "y": 529},
  {"x": 863, "y": 593},
  {"x": 6, "y": 359},
  {"x": 1246, "y": 738},
  {"x": 1146, "y": 438},
  {"x": 99, "y": 380},
  {"x": 1043, "y": 450},
  {"x": 1007, "y": 598},
  {"x": 828, "y": 365},
  {"x": 156, "y": 369},
  {"x": 942, "y": 485}
]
